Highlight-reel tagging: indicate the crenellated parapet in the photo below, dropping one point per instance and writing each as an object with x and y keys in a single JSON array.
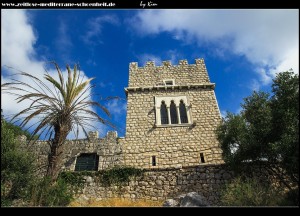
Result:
[
  {"x": 183, "y": 73},
  {"x": 134, "y": 65}
]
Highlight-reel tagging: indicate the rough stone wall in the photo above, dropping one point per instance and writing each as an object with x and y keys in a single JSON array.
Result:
[
  {"x": 183, "y": 73},
  {"x": 162, "y": 184},
  {"x": 173, "y": 146},
  {"x": 108, "y": 148}
]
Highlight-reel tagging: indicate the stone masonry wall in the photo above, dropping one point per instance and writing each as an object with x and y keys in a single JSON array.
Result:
[
  {"x": 173, "y": 145},
  {"x": 108, "y": 148},
  {"x": 162, "y": 184},
  {"x": 183, "y": 73}
]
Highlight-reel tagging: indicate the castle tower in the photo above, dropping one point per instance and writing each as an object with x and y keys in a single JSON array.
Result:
[{"x": 172, "y": 114}]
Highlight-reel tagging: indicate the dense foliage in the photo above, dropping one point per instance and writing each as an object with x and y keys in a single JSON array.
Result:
[
  {"x": 266, "y": 130},
  {"x": 17, "y": 166},
  {"x": 20, "y": 184},
  {"x": 117, "y": 175},
  {"x": 45, "y": 193},
  {"x": 265, "y": 133},
  {"x": 249, "y": 192}
]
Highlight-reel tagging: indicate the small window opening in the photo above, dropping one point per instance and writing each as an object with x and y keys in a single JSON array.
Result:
[
  {"x": 202, "y": 159},
  {"x": 169, "y": 82},
  {"x": 153, "y": 160},
  {"x": 87, "y": 162}
]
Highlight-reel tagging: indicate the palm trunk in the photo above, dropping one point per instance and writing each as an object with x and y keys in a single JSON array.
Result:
[{"x": 55, "y": 155}]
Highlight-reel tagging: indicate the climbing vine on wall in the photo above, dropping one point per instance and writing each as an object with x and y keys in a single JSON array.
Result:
[
  {"x": 115, "y": 176},
  {"x": 119, "y": 175}
]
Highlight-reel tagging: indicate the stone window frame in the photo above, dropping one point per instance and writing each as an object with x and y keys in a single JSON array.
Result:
[
  {"x": 167, "y": 100},
  {"x": 169, "y": 80}
]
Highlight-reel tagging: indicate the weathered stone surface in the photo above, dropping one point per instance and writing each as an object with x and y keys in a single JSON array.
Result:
[
  {"x": 193, "y": 199},
  {"x": 178, "y": 149},
  {"x": 171, "y": 203},
  {"x": 107, "y": 148},
  {"x": 172, "y": 186},
  {"x": 173, "y": 146}
]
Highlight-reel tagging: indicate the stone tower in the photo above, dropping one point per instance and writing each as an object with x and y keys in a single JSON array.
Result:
[{"x": 172, "y": 114}]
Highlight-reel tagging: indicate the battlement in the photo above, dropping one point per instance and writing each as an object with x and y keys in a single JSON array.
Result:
[
  {"x": 182, "y": 74},
  {"x": 134, "y": 65}
]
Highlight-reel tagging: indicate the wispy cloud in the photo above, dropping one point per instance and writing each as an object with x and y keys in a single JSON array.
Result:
[
  {"x": 95, "y": 27},
  {"x": 223, "y": 113},
  {"x": 117, "y": 108},
  {"x": 63, "y": 41},
  {"x": 17, "y": 51},
  {"x": 269, "y": 39},
  {"x": 254, "y": 85}
]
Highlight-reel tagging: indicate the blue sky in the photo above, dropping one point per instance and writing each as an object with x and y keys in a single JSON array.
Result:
[{"x": 243, "y": 49}]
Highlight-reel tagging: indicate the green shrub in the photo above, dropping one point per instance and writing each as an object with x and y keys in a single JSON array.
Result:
[
  {"x": 291, "y": 198},
  {"x": 249, "y": 192},
  {"x": 17, "y": 167},
  {"x": 119, "y": 175},
  {"x": 45, "y": 193}
]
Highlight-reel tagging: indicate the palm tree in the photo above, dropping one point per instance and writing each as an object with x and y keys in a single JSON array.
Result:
[{"x": 62, "y": 110}]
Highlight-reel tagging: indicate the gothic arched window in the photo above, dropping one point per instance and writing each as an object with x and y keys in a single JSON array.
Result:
[
  {"x": 183, "y": 113},
  {"x": 164, "y": 113},
  {"x": 173, "y": 113}
]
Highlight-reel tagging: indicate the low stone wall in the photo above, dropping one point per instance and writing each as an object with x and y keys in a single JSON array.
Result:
[
  {"x": 162, "y": 184},
  {"x": 108, "y": 148}
]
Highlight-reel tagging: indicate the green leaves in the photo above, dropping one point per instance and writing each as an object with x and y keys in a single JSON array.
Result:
[
  {"x": 58, "y": 109},
  {"x": 267, "y": 129},
  {"x": 17, "y": 166},
  {"x": 249, "y": 192}
]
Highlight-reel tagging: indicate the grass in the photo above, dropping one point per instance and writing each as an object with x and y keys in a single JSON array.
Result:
[{"x": 116, "y": 202}]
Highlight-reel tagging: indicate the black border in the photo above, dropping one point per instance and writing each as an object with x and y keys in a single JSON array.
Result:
[{"x": 148, "y": 4}]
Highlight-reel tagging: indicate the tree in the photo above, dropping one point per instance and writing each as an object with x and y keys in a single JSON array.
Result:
[
  {"x": 62, "y": 110},
  {"x": 285, "y": 121},
  {"x": 266, "y": 131},
  {"x": 17, "y": 167}
]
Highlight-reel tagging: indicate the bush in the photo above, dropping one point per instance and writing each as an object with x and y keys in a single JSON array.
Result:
[
  {"x": 249, "y": 192},
  {"x": 291, "y": 198},
  {"x": 119, "y": 175},
  {"x": 17, "y": 167},
  {"x": 46, "y": 193}
]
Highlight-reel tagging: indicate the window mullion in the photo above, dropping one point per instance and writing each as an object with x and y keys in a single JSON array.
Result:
[
  {"x": 169, "y": 115},
  {"x": 178, "y": 114}
]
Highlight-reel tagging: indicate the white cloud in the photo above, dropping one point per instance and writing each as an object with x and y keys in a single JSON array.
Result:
[
  {"x": 223, "y": 113},
  {"x": 117, "y": 108},
  {"x": 269, "y": 39},
  {"x": 95, "y": 26},
  {"x": 254, "y": 85},
  {"x": 17, "y": 51}
]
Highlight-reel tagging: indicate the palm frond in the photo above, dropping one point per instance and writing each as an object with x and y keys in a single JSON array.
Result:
[{"x": 67, "y": 105}]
